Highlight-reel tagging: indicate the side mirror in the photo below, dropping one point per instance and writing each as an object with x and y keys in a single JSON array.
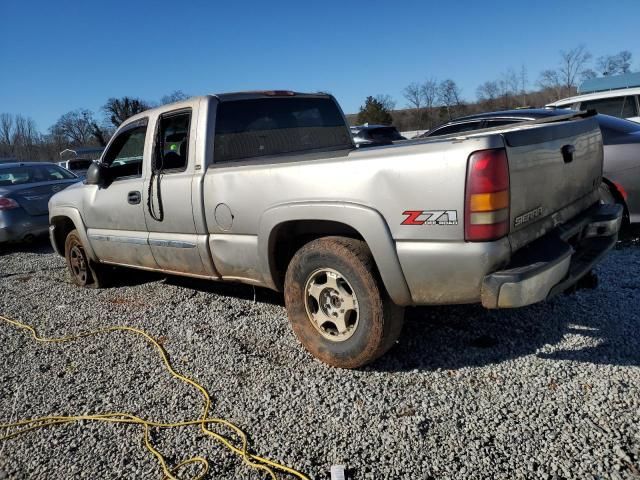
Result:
[{"x": 96, "y": 174}]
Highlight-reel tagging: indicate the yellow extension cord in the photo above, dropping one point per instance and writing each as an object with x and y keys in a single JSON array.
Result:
[{"x": 253, "y": 461}]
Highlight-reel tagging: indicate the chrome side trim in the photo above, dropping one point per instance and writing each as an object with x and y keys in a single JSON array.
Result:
[
  {"x": 117, "y": 238},
  {"x": 156, "y": 242}
]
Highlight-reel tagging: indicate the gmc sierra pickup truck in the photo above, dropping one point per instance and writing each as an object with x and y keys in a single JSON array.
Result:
[{"x": 267, "y": 188}]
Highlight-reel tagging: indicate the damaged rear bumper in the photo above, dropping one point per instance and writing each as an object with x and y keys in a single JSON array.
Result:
[{"x": 555, "y": 262}]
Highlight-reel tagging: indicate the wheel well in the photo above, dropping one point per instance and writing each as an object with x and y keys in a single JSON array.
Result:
[
  {"x": 618, "y": 196},
  {"x": 288, "y": 237},
  {"x": 63, "y": 225}
]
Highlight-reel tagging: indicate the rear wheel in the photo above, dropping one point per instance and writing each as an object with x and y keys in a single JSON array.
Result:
[
  {"x": 337, "y": 306},
  {"x": 83, "y": 271}
]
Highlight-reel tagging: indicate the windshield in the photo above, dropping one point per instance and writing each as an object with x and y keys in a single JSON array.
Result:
[{"x": 33, "y": 174}]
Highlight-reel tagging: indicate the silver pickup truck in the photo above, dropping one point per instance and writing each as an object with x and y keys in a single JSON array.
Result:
[{"x": 267, "y": 188}]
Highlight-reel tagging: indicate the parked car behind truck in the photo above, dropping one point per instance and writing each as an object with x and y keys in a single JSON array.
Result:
[
  {"x": 25, "y": 190},
  {"x": 267, "y": 188},
  {"x": 621, "y": 140}
]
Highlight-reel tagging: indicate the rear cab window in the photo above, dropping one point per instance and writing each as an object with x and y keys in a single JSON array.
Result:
[
  {"x": 457, "y": 128},
  {"x": 501, "y": 122},
  {"x": 622, "y": 107},
  {"x": 265, "y": 127}
]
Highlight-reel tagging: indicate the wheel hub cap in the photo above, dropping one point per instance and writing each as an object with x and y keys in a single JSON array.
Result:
[
  {"x": 331, "y": 304},
  {"x": 78, "y": 263}
]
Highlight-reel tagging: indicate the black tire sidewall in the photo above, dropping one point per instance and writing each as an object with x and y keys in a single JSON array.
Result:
[{"x": 365, "y": 341}]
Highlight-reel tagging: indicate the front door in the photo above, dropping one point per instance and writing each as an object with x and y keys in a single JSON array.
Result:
[
  {"x": 174, "y": 242},
  {"x": 114, "y": 212}
]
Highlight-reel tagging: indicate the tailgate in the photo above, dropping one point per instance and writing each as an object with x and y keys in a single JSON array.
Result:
[{"x": 551, "y": 167}]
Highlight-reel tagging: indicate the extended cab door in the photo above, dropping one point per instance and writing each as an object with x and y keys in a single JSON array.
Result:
[
  {"x": 114, "y": 211},
  {"x": 174, "y": 241}
]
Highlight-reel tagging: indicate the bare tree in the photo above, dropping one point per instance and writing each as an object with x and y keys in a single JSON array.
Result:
[
  {"x": 625, "y": 61},
  {"x": 449, "y": 96},
  {"x": 386, "y": 101},
  {"x": 607, "y": 65},
  {"x": 488, "y": 92},
  {"x": 550, "y": 80},
  {"x": 429, "y": 91},
  {"x": 175, "y": 96},
  {"x": 77, "y": 127},
  {"x": 6, "y": 128},
  {"x": 614, "y": 64},
  {"x": 119, "y": 109},
  {"x": 413, "y": 94},
  {"x": 572, "y": 64},
  {"x": 25, "y": 138}
]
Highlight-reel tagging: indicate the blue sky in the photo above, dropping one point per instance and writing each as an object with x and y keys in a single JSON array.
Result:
[{"x": 58, "y": 56}]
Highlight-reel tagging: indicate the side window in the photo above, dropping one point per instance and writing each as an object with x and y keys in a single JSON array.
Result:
[
  {"x": 172, "y": 148},
  {"x": 500, "y": 123},
  {"x": 622, "y": 107},
  {"x": 125, "y": 153},
  {"x": 457, "y": 128}
]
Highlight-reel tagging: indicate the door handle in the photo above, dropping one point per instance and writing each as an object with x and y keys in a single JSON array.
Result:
[
  {"x": 567, "y": 153},
  {"x": 134, "y": 198}
]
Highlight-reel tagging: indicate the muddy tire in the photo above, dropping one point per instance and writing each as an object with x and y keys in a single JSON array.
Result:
[
  {"x": 338, "y": 308},
  {"x": 83, "y": 271}
]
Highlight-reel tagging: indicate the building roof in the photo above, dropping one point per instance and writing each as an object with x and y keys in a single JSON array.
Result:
[
  {"x": 612, "y": 82},
  {"x": 595, "y": 96}
]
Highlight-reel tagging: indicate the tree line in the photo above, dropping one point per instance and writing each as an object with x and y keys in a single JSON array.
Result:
[
  {"x": 432, "y": 102},
  {"x": 21, "y": 140},
  {"x": 427, "y": 104}
]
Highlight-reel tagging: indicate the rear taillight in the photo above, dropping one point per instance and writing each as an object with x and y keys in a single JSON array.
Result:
[
  {"x": 486, "y": 214},
  {"x": 8, "y": 203}
]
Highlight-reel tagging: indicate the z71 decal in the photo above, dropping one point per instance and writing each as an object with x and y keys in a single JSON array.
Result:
[{"x": 430, "y": 217}]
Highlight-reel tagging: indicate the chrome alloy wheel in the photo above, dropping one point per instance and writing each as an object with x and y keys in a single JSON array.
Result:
[{"x": 331, "y": 304}]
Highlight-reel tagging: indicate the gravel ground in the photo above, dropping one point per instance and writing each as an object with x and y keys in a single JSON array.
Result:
[{"x": 549, "y": 391}]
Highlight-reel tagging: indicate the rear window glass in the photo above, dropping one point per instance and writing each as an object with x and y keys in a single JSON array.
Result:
[
  {"x": 501, "y": 123},
  {"x": 456, "y": 128},
  {"x": 623, "y": 107},
  {"x": 385, "y": 133},
  {"x": 33, "y": 174},
  {"x": 273, "y": 126}
]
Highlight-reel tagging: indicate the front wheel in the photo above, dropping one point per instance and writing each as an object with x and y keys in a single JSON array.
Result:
[
  {"x": 337, "y": 306},
  {"x": 83, "y": 272}
]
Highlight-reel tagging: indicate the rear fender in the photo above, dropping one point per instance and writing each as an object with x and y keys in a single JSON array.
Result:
[{"x": 367, "y": 222}]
